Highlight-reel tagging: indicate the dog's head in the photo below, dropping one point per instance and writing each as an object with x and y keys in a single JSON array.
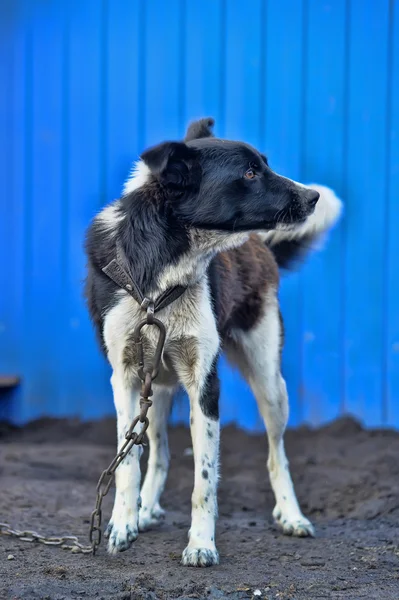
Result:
[{"x": 223, "y": 185}]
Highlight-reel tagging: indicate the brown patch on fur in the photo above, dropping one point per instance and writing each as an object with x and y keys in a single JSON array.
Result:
[
  {"x": 130, "y": 354},
  {"x": 185, "y": 353},
  {"x": 240, "y": 279}
]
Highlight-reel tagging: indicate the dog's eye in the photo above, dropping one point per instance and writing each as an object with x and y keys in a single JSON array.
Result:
[{"x": 249, "y": 174}]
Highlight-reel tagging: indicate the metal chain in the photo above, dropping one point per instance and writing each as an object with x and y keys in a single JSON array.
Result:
[
  {"x": 68, "y": 542},
  {"x": 147, "y": 373},
  {"x": 107, "y": 476}
]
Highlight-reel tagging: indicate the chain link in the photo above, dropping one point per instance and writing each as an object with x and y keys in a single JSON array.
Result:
[
  {"x": 67, "y": 542},
  {"x": 147, "y": 374}
]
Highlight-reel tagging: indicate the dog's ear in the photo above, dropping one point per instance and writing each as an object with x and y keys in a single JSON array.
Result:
[
  {"x": 172, "y": 163},
  {"x": 200, "y": 129}
]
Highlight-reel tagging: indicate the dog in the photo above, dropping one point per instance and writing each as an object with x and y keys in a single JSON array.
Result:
[{"x": 210, "y": 216}]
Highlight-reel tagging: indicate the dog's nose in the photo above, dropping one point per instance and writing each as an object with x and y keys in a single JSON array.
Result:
[{"x": 312, "y": 197}]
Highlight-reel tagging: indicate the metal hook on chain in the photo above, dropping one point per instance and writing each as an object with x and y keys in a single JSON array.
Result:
[{"x": 153, "y": 366}]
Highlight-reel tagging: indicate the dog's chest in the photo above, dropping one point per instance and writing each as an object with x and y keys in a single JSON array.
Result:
[{"x": 190, "y": 330}]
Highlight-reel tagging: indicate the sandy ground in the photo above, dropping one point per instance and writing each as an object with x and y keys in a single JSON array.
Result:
[{"x": 347, "y": 481}]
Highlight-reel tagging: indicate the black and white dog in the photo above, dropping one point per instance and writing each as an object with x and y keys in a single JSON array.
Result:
[{"x": 211, "y": 215}]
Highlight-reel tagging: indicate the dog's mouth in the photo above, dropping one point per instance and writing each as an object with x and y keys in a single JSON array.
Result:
[
  {"x": 283, "y": 226},
  {"x": 290, "y": 218},
  {"x": 292, "y": 221},
  {"x": 285, "y": 220}
]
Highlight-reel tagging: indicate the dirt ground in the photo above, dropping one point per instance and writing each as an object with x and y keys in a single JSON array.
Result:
[{"x": 347, "y": 481}]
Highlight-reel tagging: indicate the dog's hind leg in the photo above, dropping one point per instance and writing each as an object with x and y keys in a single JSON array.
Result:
[
  {"x": 151, "y": 512},
  {"x": 257, "y": 354}
]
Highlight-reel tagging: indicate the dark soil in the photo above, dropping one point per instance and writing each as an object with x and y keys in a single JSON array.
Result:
[{"x": 347, "y": 481}]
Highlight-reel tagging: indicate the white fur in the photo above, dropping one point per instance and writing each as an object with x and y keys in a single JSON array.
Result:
[
  {"x": 151, "y": 512},
  {"x": 192, "y": 266},
  {"x": 205, "y": 432},
  {"x": 325, "y": 215},
  {"x": 123, "y": 526},
  {"x": 257, "y": 354},
  {"x": 139, "y": 175},
  {"x": 110, "y": 216}
]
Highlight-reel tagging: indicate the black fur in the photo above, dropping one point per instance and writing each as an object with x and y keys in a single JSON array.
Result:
[
  {"x": 291, "y": 253},
  {"x": 150, "y": 236},
  {"x": 209, "y": 400},
  {"x": 200, "y": 129},
  {"x": 226, "y": 200}
]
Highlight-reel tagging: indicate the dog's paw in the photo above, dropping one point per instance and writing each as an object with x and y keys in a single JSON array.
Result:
[
  {"x": 200, "y": 557},
  {"x": 299, "y": 527},
  {"x": 120, "y": 537},
  {"x": 150, "y": 517}
]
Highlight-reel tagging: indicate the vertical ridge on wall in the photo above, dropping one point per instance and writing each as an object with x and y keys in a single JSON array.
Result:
[
  {"x": 283, "y": 146},
  {"x": 142, "y": 74},
  {"x": 162, "y": 72},
  {"x": 243, "y": 110},
  {"x": 223, "y": 53},
  {"x": 43, "y": 211},
  {"x": 343, "y": 224},
  {"x": 365, "y": 208},
  {"x": 302, "y": 397},
  {"x": 321, "y": 278},
  {"x": 85, "y": 374},
  {"x": 124, "y": 91},
  {"x": 12, "y": 357},
  {"x": 9, "y": 363},
  {"x": 182, "y": 52},
  {"x": 204, "y": 69},
  {"x": 391, "y": 348},
  {"x": 103, "y": 93},
  {"x": 28, "y": 375},
  {"x": 243, "y": 79},
  {"x": 65, "y": 206},
  {"x": 6, "y": 216}
]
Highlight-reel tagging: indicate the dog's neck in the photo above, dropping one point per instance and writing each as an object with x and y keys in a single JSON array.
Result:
[
  {"x": 151, "y": 239},
  {"x": 192, "y": 266},
  {"x": 162, "y": 252}
]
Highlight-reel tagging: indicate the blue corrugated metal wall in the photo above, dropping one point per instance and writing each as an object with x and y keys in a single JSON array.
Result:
[{"x": 85, "y": 85}]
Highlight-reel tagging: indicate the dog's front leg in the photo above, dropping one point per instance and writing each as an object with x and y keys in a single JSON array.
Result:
[
  {"x": 204, "y": 420},
  {"x": 122, "y": 529}
]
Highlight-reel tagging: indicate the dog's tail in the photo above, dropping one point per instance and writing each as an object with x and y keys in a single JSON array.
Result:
[{"x": 291, "y": 247}]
